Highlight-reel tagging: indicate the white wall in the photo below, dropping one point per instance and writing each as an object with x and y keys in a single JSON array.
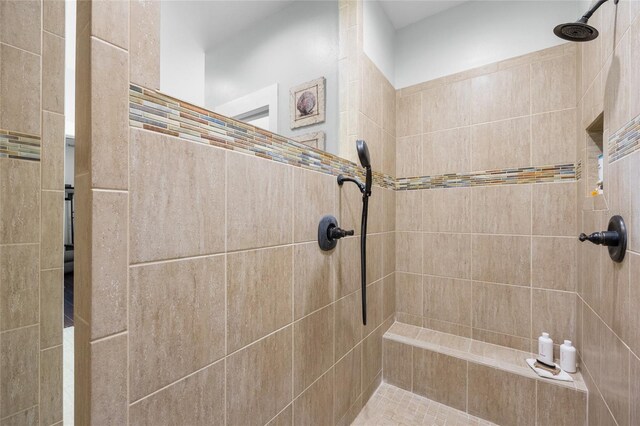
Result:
[
  {"x": 477, "y": 33},
  {"x": 181, "y": 55},
  {"x": 379, "y": 38},
  {"x": 295, "y": 45}
]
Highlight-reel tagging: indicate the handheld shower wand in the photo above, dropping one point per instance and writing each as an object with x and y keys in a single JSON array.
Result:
[{"x": 365, "y": 189}]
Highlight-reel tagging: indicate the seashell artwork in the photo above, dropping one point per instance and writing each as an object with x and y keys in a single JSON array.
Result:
[{"x": 307, "y": 106}]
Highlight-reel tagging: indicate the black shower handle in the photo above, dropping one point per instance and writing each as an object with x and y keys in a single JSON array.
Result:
[
  {"x": 335, "y": 233},
  {"x": 604, "y": 238},
  {"x": 615, "y": 238}
]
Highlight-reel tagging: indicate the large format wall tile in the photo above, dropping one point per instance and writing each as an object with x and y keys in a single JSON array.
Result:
[
  {"x": 512, "y": 394},
  {"x": 259, "y": 202},
  {"x": 409, "y": 252},
  {"x": 190, "y": 192},
  {"x": 409, "y": 294},
  {"x": 314, "y": 195},
  {"x": 108, "y": 380},
  {"x": 502, "y": 309},
  {"x": 553, "y": 84},
  {"x": 53, "y": 73},
  {"x": 176, "y": 321},
  {"x": 109, "y": 103},
  {"x": 19, "y": 202},
  {"x": 109, "y": 22},
  {"x": 51, "y": 385},
  {"x": 195, "y": 400},
  {"x": 500, "y": 95},
  {"x": 447, "y": 210},
  {"x": 348, "y": 323},
  {"x": 502, "y": 209},
  {"x": 19, "y": 367},
  {"x": 502, "y": 259},
  {"x": 447, "y": 299},
  {"x": 347, "y": 266},
  {"x": 259, "y": 299},
  {"x": 554, "y": 263},
  {"x": 555, "y": 313},
  {"x": 554, "y": 211},
  {"x": 560, "y": 406},
  {"x": 18, "y": 286},
  {"x": 315, "y": 405},
  {"x": 408, "y": 216},
  {"x": 553, "y": 137},
  {"x": 313, "y": 339},
  {"x": 53, "y": 17},
  {"x": 409, "y": 115},
  {"x": 447, "y": 255},
  {"x": 52, "y": 227},
  {"x": 144, "y": 43},
  {"x": 20, "y": 24},
  {"x": 348, "y": 382},
  {"x": 446, "y": 151},
  {"x": 51, "y": 307},
  {"x": 53, "y": 149},
  {"x": 253, "y": 399},
  {"x": 409, "y": 156},
  {"x": 397, "y": 364},
  {"x": 501, "y": 144},
  {"x": 109, "y": 265},
  {"x": 446, "y": 106},
  {"x": 313, "y": 278},
  {"x": 371, "y": 358},
  {"x": 440, "y": 378}
]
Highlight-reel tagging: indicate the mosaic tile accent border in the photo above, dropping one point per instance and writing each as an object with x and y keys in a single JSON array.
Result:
[
  {"x": 155, "y": 111},
  {"x": 625, "y": 141},
  {"x": 522, "y": 175},
  {"x": 19, "y": 146}
]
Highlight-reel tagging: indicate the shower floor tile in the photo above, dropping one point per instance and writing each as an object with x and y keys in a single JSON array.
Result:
[{"x": 390, "y": 405}]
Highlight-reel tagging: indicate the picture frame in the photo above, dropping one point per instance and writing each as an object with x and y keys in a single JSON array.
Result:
[
  {"x": 307, "y": 103},
  {"x": 314, "y": 140}
]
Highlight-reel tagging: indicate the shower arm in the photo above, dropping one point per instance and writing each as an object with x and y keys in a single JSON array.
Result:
[{"x": 591, "y": 11}]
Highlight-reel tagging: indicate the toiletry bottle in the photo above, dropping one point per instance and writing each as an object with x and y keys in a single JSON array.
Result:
[
  {"x": 545, "y": 350},
  {"x": 568, "y": 357}
]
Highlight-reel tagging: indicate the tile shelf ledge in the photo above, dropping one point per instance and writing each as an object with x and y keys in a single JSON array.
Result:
[{"x": 476, "y": 351}]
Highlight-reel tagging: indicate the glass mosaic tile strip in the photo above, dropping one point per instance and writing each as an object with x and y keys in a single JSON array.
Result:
[
  {"x": 625, "y": 141},
  {"x": 19, "y": 146},
  {"x": 155, "y": 111},
  {"x": 523, "y": 175}
]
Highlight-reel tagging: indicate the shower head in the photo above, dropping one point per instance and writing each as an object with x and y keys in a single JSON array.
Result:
[
  {"x": 363, "y": 154},
  {"x": 579, "y": 31},
  {"x": 576, "y": 31}
]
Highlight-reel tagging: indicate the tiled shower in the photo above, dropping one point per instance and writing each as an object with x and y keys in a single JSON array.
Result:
[{"x": 202, "y": 297}]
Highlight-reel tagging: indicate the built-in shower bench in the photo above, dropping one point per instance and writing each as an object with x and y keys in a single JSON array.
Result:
[{"x": 488, "y": 381}]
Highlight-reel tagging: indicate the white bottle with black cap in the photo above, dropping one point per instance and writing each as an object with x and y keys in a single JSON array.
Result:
[
  {"x": 568, "y": 357},
  {"x": 545, "y": 350}
]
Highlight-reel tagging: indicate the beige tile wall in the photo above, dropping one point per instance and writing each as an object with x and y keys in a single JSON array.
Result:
[
  {"x": 31, "y": 213},
  {"x": 609, "y": 293},
  {"x": 204, "y": 296},
  {"x": 490, "y": 262}
]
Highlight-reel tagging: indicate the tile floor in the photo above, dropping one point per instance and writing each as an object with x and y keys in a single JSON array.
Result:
[
  {"x": 67, "y": 376},
  {"x": 390, "y": 405}
]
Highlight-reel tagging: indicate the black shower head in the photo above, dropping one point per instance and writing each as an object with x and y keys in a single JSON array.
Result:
[
  {"x": 576, "y": 31},
  {"x": 579, "y": 31},
  {"x": 363, "y": 154}
]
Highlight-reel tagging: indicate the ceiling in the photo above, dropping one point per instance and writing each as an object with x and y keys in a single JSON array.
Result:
[
  {"x": 405, "y": 12},
  {"x": 210, "y": 22}
]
